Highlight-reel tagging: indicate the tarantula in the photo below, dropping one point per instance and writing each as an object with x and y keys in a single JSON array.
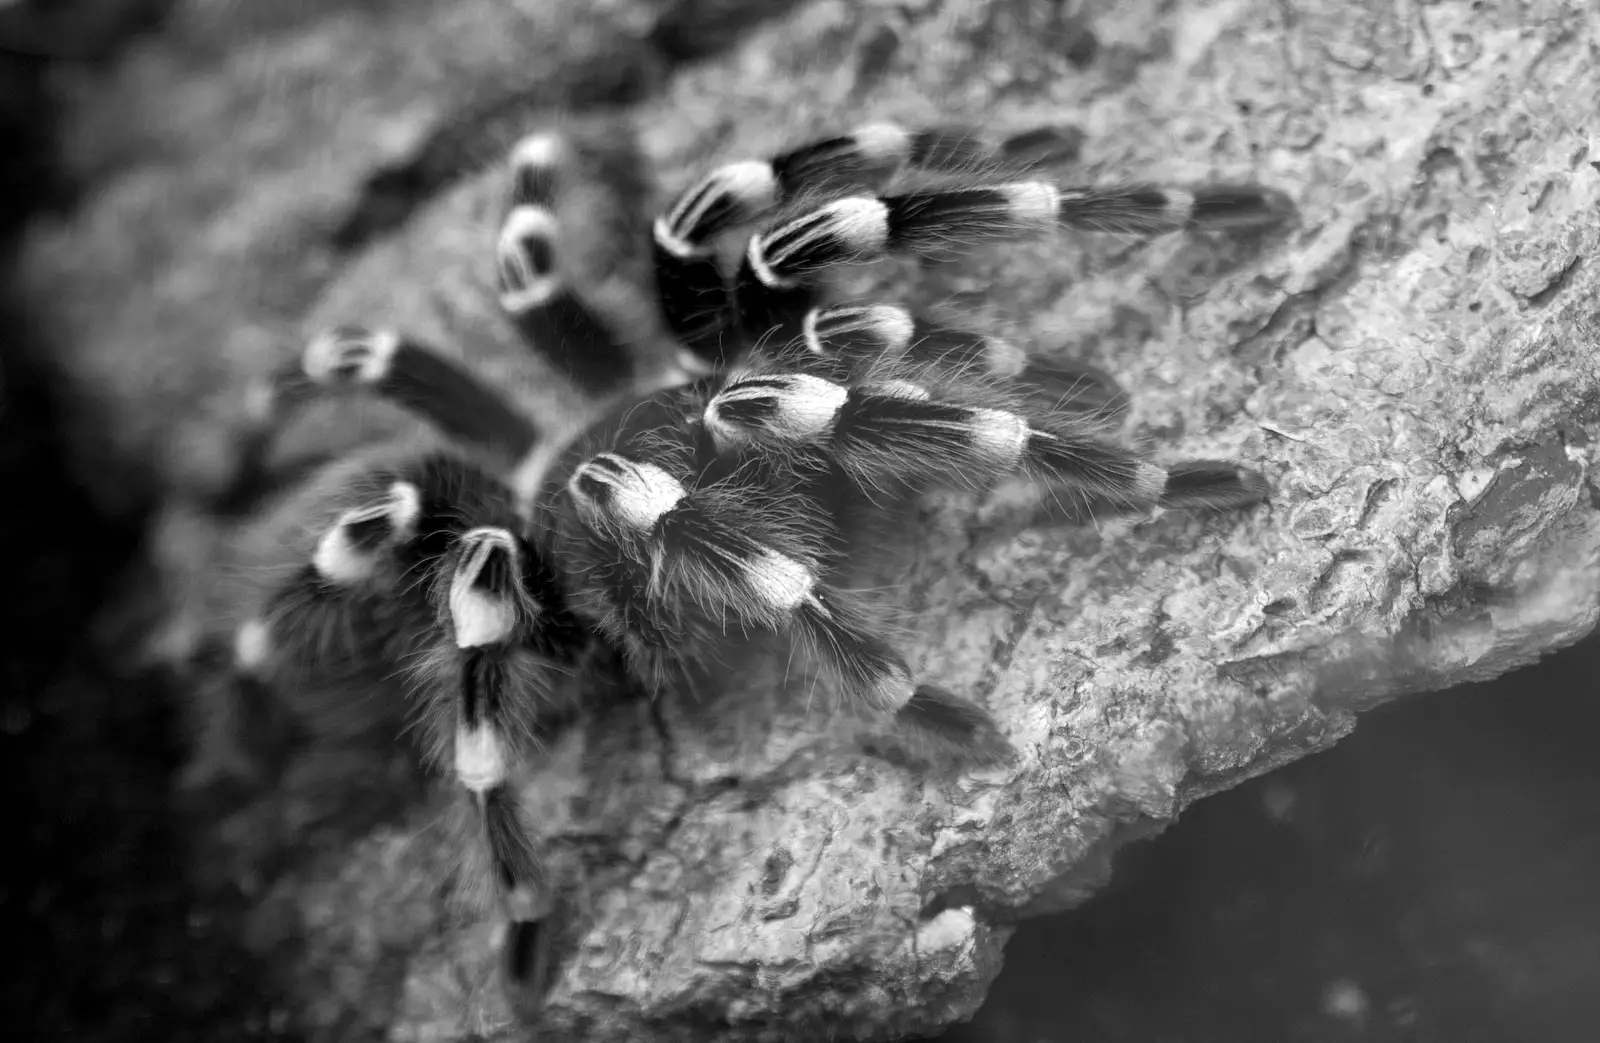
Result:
[{"x": 747, "y": 440}]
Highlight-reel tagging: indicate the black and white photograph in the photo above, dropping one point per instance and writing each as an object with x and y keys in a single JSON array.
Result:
[{"x": 750, "y": 521}]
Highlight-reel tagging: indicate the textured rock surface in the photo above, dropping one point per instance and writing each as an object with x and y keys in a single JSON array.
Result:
[{"x": 1413, "y": 366}]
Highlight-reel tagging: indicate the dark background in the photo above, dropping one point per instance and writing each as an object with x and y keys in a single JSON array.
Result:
[{"x": 1432, "y": 878}]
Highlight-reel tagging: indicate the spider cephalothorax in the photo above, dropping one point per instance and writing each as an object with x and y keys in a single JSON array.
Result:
[{"x": 747, "y": 441}]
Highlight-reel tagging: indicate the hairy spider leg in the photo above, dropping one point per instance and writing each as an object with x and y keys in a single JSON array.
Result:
[
  {"x": 389, "y": 364},
  {"x": 1218, "y": 485},
  {"x": 341, "y": 619},
  {"x": 898, "y": 433},
  {"x": 425, "y": 576},
  {"x": 486, "y": 615},
  {"x": 475, "y": 137},
  {"x": 677, "y": 550},
  {"x": 355, "y": 359},
  {"x": 850, "y": 342},
  {"x": 890, "y": 433},
  {"x": 720, "y": 551},
  {"x": 778, "y": 279},
  {"x": 362, "y": 597},
  {"x": 321, "y": 619},
  {"x": 572, "y": 223},
  {"x": 694, "y": 291},
  {"x": 502, "y": 675}
]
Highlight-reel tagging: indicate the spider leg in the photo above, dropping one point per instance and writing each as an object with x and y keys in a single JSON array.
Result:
[
  {"x": 386, "y": 363},
  {"x": 493, "y": 681},
  {"x": 898, "y": 433},
  {"x": 356, "y": 602},
  {"x": 694, "y": 293},
  {"x": 501, "y": 677},
  {"x": 335, "y": 621},
  {"x": 472, "y": 139},
  {"x": 425, "y": 572},
  {"x": 776, "y": 282},
  {"x": 416, "y": 376},
  {"x": 848, "y": 342},
  {"x": 338, "y": 614},
  {"x": 736, "y": 552},
  {"x": 1213, "y": 485},
  {"x": 564, "y": 253}
]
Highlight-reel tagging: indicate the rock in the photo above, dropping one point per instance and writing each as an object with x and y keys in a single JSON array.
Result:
[{"x": 1412, "y": 365}]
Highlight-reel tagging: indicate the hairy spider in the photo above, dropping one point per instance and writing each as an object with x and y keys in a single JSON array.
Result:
[{"x": 743, "y": 442}]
